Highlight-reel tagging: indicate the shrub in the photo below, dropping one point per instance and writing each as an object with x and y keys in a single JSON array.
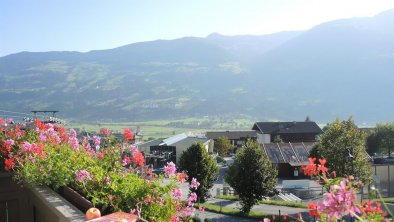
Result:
[
  {"x": 196, "y": 162},
  {"x": 251, "y": 175}
]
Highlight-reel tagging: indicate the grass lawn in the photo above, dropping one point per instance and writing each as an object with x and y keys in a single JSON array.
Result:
[
  {"x": 258, "y": 216},
  {"x": 166, "y": 128},
  {"x": 388, "y": 200},
  {"x": 270, "y": 202}
]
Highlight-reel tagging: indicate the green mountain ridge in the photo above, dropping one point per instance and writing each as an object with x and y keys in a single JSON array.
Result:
[{"x": 336, "y": 69}]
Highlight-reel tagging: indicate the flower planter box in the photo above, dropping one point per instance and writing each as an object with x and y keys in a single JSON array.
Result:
[
  {"x": 37, "y": 203},
  {"x": 13, "y": 200},
  {"x": 49, "y": 206},
  {"x": 40, "y": 203},
  {"x": 75, "y": 199}
]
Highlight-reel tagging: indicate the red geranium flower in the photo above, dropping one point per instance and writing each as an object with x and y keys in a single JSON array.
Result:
[
  {"x": 321, "y": 167},
  {"x": 9, "y": 164},
  {"x": 128, "y": 134},
  {"x": 40, "y": 125},
  {"x": 311, "y": 168},
  {"x": 181, "y": 177},
  {"x": 312, "y": 208},
  {"x": 62, "y": 132},
  {"x": 138, "y": 159},
  {"x": 369, "y": 208},
  {"x": 105, "y": 131}
]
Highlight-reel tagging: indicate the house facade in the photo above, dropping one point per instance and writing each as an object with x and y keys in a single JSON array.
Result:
[
  {"x": 237, "y": 138},
  {"x": 295, "y": 132},
  {"x": 288, "y": 157},
  {"x": 287, "y": 144},
  {"x": 160, "y": 151}
]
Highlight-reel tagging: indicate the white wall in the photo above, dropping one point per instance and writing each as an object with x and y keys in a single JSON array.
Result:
[{"x": 264, "y": 138}]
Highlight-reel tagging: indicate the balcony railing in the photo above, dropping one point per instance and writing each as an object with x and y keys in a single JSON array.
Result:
[{"x": 33, "y": 204}]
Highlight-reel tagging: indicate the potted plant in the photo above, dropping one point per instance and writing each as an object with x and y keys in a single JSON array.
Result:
[{"x": 45, "y": 154}]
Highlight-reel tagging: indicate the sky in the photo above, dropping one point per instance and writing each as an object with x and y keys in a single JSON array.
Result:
[{"x": 84, "y": 25}]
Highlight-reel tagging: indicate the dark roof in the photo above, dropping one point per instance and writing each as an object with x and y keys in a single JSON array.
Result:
[
  {"x": 232, "y": 135},
  {"x": 295, "y": 154},
  {"x": 287, "y": 127}
]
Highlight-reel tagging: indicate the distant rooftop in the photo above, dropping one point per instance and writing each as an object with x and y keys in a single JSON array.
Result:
[
  {"x": 187, "y": 142},
  {"x": 174, "y": 139},
  {"x": 287, "y": 127}
]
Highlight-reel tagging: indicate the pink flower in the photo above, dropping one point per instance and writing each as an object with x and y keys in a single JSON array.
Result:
[
  {"x": 201, "y": 209},
  {"x": 266, "y": 220},
  {"x": 176, "y": 193},
  {"x": 340, "y": 201},
  {"x": 26, "y": 146},
  {"x": 126, "y": 160},
  {"x": 10, "y": 142},
  {"x": 73, "y": 133},
  {"x": 43, "y": 137},
  {"x": 82, "y": 175},
  {"x": 96, "y": 140},
  {"x": 72, "y": 139},
  {"x": 186, "y": 212},
  {"x": 194, "y": 184},
  {"x": 192, "y": 198},
  {"x": 88, "y": 148},
  {"x": 10, "y": 120},
  {"x": 169, "y": 169}
]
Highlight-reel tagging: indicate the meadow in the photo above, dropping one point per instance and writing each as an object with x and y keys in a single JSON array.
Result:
[{"x": 166, "y": 128}]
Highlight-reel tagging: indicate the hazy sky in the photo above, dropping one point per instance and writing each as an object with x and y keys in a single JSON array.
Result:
[{"x": 83, "y": 25}]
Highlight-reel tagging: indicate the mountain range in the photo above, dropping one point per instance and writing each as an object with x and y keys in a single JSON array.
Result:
[{"x": 336, "y": 69}]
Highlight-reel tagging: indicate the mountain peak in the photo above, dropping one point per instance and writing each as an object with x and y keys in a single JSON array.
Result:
[{"x": 215, "y": 35}]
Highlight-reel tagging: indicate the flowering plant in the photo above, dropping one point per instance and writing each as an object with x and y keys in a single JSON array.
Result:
[
  {"x": 340, "y": 198},
  {"x": 45, "y": 154}
]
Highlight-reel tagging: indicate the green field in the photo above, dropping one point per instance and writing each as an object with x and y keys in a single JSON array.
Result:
[{"x": 167, "y": 128}]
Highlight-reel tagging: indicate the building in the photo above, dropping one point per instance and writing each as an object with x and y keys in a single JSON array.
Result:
[
  {"x": 295, "y": 132},
  {"x": 288, "y": 157},
  {"x": 237, "y": 138},
  {"x": 160, "y": 151}
]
